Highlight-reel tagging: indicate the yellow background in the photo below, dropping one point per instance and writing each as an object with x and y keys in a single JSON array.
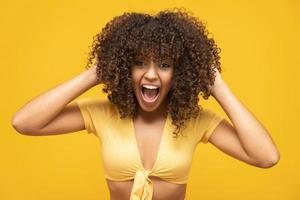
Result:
[{"x": 44, "y": 43}]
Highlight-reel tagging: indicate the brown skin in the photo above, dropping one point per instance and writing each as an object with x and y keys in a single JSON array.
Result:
[
  {"x": 170, "y": 35},
  {"x": 151, "y": 73}
]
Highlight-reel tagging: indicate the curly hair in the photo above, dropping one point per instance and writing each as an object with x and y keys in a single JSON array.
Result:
[{"x": 170, "y": 34}]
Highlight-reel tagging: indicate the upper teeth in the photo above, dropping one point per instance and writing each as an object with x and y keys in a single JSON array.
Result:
[{"x": 150, "y": 86}]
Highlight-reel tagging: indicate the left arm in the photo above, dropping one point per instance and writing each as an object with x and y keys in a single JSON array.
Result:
[{"x": 247, "y": 139}]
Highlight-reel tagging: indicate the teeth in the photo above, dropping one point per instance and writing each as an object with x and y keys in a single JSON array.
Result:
[{"x": 150, "y": 86}]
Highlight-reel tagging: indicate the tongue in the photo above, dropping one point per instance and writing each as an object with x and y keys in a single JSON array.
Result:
[{"x": 150, "y": 93}]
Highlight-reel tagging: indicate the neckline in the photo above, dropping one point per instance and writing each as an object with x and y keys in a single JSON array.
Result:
[{"x": 159, "y": 147}]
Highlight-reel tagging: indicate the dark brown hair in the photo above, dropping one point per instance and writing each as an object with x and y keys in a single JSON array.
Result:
[{"x": 173, "y": 34}]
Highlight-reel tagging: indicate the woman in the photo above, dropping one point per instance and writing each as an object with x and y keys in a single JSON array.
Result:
[{"x": 153, "y": 69}]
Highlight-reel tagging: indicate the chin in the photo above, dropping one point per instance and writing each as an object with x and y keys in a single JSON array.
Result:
[{"x": 149, "y": 108}]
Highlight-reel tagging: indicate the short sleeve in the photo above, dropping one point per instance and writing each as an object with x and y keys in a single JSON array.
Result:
[
  {"x": 207, "y": 123},
  {"x": 92, "y": 113}
]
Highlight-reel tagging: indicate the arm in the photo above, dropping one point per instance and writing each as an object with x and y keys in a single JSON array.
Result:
[
  {"x": 37, "y": 114},
  {"x": 247, "y": 139}
]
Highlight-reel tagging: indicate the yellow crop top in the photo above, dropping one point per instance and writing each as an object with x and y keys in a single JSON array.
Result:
[{"x": 120, "y": 154}]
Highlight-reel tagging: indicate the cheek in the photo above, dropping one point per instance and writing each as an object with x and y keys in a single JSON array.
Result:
[
  {"x": 134, "y": 77},
  {"x": 169, "y": 79},
  {"x": 135, "y": 82}
]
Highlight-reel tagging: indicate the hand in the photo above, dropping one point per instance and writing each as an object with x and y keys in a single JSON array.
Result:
[{"x": 217, "y": 83}]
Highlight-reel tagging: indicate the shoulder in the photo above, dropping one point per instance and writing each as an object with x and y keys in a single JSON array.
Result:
[
  {"x": 207, "y": 113},
  {"x": 96, "y": 104},
  {"x": 93, "y": 101},
  {"x": 206, "y": 117}
]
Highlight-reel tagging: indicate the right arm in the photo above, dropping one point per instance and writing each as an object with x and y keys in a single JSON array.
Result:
[{"x": 52, "y": 113}]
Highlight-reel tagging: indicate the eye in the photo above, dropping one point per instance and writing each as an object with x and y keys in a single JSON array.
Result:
[
  {"x": 138, "y": 63},
  {"x": 165, "y": 65}
]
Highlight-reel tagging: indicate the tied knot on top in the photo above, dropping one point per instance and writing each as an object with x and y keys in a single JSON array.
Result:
[{"x": 142, "y": 188}]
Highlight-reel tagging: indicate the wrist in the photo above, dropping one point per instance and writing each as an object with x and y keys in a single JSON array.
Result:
[
  {"x": 218, "y": 88},
  {"x": 90, "y": 75}
]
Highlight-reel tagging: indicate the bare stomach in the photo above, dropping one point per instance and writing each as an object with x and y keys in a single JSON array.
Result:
[{"x": 162, "y": 190}]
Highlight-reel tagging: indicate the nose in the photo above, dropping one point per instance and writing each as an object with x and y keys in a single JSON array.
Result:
[{"x": 151, "y": 72}]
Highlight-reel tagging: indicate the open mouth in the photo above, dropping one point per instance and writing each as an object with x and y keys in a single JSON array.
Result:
[{"x": 150, "y": 94}]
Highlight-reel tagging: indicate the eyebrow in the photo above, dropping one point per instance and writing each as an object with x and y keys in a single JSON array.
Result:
[{"x": 147, "y": 59}]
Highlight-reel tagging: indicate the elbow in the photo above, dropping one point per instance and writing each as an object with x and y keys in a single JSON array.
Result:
[
  {"x": 16, "y": 124},
  {"x": 273, "y": 160}
]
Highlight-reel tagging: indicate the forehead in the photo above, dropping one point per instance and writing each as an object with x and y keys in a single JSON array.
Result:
[{"x": 153, "y": 57}]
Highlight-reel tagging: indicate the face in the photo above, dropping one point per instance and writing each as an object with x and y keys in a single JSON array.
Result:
[{"x": 152, "y": 82}]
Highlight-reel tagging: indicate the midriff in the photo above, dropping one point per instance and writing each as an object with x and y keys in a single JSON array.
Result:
[{"x": 162, "y": 190}]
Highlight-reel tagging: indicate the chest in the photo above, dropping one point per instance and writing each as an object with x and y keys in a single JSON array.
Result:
[
  {"x": 128, "y": 146},
  {"x": 148, "y": 138}
]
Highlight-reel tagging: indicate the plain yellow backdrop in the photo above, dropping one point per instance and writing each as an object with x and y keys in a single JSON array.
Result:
[{"x": 44, "y": 43}]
